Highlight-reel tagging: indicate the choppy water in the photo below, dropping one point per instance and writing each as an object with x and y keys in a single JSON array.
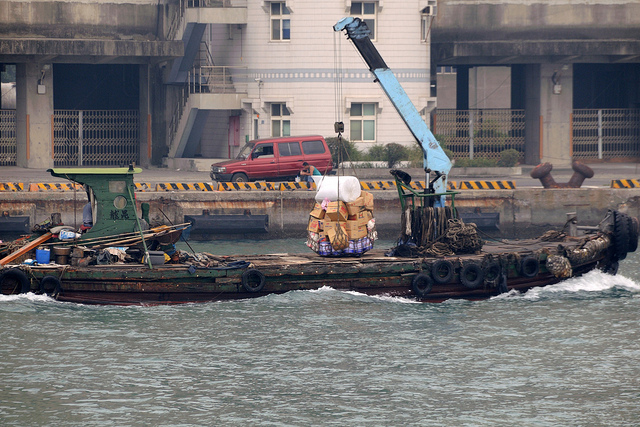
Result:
[{"x": 564, "y": 355}]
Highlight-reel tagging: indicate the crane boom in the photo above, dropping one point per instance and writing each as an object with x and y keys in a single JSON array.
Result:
[{"x": 434, "y": 158}]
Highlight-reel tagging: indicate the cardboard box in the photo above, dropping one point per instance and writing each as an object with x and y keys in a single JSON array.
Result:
[
  {"x": 315, "y": 225},
  {"x": 368, "y": 200},
  {"x": 364, "y": 202},
  {"x": 337, "y": 211},
  {"x": 356, "y": 230},
  {"x": 317, "y": 211},
  {"x": 362, "y": 218}
]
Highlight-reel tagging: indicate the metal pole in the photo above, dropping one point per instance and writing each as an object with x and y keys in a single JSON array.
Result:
[
  {"x": 471, "y": 134},
  {"x": 80, "y": 138},
  {"x": 600, "y": 134}
]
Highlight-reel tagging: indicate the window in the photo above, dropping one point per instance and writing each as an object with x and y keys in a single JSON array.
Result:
[
  {"x": 280, "y": 123},
  {"x": 446, "y": 70},
  {"x": 262, "y": 150},
  {"x": 312, "y": 147},
  {"x": 366, "y": 10},
  {"x": 425, "y": 26},
  {"x": 289, "y": 149},
  {"x": 363, "y": 122},
  {"x": 280, "y": 22}
]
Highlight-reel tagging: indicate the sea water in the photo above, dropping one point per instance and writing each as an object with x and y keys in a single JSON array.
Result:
[{"x": 562, "y": 355}]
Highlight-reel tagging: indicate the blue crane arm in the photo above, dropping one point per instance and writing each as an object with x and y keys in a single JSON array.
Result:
[{"x": 434, "y": 158}]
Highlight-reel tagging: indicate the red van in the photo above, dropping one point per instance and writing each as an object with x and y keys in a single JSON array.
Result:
[{"x": 274, "y": 159}]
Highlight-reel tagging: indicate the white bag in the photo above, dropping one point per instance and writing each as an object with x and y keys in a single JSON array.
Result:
[{"x": 329, "y": 187}]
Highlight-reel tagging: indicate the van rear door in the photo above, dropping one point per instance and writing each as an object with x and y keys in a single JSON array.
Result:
[{"x": 290, "y": 158}]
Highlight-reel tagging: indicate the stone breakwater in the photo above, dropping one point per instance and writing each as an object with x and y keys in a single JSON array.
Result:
[{"x": 521, "y": 211}]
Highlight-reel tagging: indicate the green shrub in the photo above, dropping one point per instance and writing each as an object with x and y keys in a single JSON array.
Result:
[
  {"x": 509, "y": 158},
  {"x": 342, "y": 150},
  {"x": 395, "y": 154},
  {"x": 377, "y": 153}
]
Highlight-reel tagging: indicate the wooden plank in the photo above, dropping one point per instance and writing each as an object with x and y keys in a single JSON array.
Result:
[{"x": 26, "y": 248}]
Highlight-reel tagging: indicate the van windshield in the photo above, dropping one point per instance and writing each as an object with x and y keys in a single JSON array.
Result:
[{"x": 244, "y": 153}]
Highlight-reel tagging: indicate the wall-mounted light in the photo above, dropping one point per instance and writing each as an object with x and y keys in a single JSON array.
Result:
[{"x": 42, "y": 89}]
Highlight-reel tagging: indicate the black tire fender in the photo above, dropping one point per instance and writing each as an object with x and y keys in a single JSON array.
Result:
[
  {"x": 529, "y": 266},
  {"x": 442, "y": 271},
  {"x": 421, "y": 284},
  {"x": 620, "y": 235},
  {"x": 249, "y": 278},
  {"x": 471, "y": 275},
  {"x": 18, "y": 276},
  {"x": 50, "y": 285},
  {"x": 632, "y": 225},
  {"x": 492, "y": 272}
]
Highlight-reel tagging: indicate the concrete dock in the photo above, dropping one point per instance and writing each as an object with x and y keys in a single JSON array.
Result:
[{"x": 527, "y": 208}]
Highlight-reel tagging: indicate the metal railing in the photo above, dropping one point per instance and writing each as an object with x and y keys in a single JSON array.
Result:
[
  {"x": 7, "y": 137},
  {"x": 95, "y": 137},
  {"x": 216, "y": 79},
  {"x": 176, "y": 19},
  {"x": 203, "y": 80},
  {"x": 606, "y": 133},
  {"x": 480, "y": 133}
]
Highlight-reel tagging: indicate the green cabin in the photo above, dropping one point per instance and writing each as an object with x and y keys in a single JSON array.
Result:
[{"x": 111, "y": 194}]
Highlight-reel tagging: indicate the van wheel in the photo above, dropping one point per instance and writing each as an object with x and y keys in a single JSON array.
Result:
[{"x": 239, "y": 177}]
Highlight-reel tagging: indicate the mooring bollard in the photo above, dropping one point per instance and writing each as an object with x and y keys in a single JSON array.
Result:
[{"x": 580, "y": 173}]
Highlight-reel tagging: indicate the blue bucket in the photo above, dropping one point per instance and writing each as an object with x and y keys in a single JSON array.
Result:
[{"x": 43, "y": 256}]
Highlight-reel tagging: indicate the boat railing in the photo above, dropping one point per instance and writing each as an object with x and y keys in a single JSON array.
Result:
[{"x": 405, "y": 192}]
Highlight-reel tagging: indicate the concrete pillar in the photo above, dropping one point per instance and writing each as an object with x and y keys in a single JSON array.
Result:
[
  {"x": 549, "y": 107},
  {"x": 556, "y": 110},
  {"x": 145, "y": 116},
  {"x": 462, "y": 87},
  {"x": 34, "y": 115}
]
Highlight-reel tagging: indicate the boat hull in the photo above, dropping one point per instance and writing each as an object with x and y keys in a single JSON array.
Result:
[{"x": 371, "y": 274}]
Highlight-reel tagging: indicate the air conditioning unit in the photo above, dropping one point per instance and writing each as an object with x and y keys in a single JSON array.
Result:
[{"x": 429, "y": 10}]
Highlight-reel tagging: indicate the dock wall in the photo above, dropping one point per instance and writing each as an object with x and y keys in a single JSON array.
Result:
[{"x": 522, "y": 211}]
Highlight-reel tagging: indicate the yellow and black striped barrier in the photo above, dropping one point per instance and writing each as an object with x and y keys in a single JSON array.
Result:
[
  {"x": 487, "y": 185},
  {"x": 297, "y": 186},
  {"x": 177, "y": 186},
  {"x": 246, "y": 186},
  {"x": 54, "y": 187},
  {"x": 11, "y": 186},
  {"x": 377, "y": 185},
  {"x": 625, "y": 183},
  {"x": 144, "y": 186},
  {"x": 421, "y": 185}
]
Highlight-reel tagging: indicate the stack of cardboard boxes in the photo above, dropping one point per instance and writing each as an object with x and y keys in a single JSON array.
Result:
[{"x": 329, "y": 224}]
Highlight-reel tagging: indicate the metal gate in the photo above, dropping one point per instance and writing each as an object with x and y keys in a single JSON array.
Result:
[
  {"x": 95, "y": 137},
  {"x": 480, "y": 133},
  {"x": 606, "y": 133},
  {"x": 7, "y": 137}
]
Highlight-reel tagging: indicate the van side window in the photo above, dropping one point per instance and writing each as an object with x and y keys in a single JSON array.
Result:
[
  {"x": 312, "y": 147},
  {"x": 289, "y": 148},
  {"x": 262, "y": 150}
]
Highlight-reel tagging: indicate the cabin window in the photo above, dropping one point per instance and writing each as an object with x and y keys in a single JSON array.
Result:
[{"x": 117, "y": 186}]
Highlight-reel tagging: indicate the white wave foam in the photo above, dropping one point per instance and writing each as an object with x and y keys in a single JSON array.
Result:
[
  {"x": 30, "y": 296},
  {"x": 594, "y": 281}
]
